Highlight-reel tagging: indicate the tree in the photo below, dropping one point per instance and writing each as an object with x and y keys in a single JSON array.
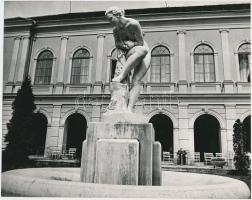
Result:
[
  {"x": 19, "y": 137},
  {"x": 241, "y": 160}
]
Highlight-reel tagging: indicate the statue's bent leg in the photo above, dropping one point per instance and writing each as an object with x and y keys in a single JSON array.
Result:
[
  {"x": 134, "y": 58},
  {"x": 138, "y": 75}
]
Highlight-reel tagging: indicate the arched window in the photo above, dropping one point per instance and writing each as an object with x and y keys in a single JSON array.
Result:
[
  {"x": 160, "y": 65},
  {"x": 80, "y": 67},
  {"x": 204, "y": 69},
  {"x": 44, "y": 68},
  {"x": 244, "y": 62}
]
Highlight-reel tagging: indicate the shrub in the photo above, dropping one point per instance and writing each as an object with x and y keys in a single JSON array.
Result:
[
  {"x": 241, "y": 160},
  {"x": 19, "y": 137}
]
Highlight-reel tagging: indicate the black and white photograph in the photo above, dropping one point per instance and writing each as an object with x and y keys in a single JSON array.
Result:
[{"x": 126, "y": 99}]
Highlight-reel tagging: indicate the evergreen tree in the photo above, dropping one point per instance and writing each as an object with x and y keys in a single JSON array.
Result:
[
  {"x": 19, "y": 136},
  {"x": 241, "y": 160}
]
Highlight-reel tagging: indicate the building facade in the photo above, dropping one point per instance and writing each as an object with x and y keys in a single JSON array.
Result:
[{"x": 197, "y": 86}]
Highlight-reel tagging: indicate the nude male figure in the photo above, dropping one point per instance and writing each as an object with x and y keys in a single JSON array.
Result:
[{"x": 129, "y": 40}]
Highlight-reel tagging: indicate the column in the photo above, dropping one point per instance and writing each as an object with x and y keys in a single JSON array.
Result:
[
  {"x": 24, "y": 51},
  {"x": 227, "y": 135},
  {"x": 13, "y": 63},
  {"x": 52, "y": 137},
  {"x": 61, "y": 66},
  {"x": 228, "y": 83},
  {"x": 182, "y": 83},
  {"x": 98, "y": 74},
  {"x": 184, "y": 136}
]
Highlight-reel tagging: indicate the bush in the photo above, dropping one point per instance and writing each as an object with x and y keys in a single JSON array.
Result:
[
  {"x": 241, "y": 160},
  {"x": 20, "y": 137}
]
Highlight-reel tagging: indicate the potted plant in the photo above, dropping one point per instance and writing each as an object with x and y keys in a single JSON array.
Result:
[{"x": 218, "y": 162}]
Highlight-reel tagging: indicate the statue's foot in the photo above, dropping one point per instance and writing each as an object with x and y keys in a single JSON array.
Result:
[
  {"x": 129, "y": 110},
  {"x": 117, "y": 79}
]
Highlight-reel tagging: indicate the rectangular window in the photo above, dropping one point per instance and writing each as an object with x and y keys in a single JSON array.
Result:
[
  {"x": 204, "y": 68},
  {"x": 80, "y": 71}
]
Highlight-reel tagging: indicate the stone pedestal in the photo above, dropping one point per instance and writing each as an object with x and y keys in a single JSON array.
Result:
[
  {"x": 120, "y": 149},
  {"x": 99, "y": 134},
  {"x": 117, "y": 161}
]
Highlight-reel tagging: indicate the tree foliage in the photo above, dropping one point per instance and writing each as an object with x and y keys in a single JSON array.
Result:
[
  {"x": 19, "y": 137},
  {"x": 241, "y": 160}
]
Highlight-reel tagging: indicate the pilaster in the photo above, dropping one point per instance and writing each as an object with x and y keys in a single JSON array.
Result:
[
  {"x": 100, "y": 44},
  {"x": 182, "y": 83},
  {"x": 96, "y": 113},
  {"x": 52, "y": 138},
  {"x": 184, "y": 138},
  {"x": 61, "y": 66},
  {"x": 230, "y": 120},
  {"x": 24, "y": 51},
  {"x": 9, "y": 85},
  {"x": 228, "y": 83}
]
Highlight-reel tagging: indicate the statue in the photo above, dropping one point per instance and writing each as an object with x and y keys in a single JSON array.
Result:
[{"x": 133, "y": 54}]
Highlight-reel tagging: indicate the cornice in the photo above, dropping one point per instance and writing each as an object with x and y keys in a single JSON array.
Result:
[
  {"x": 177, "y": 95},
  {"x": 146, "y": 19},
  {"x": 145, "y": 29}
]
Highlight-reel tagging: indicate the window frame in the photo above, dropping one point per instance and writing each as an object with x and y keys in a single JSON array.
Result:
[
  {"x": 83, "y": 58},
  {"x": 168, "y": 55},
  {"x": 247, "y": 54},
  {"x": 39, "y": 66},
  {"x": 204, "y": 64}
]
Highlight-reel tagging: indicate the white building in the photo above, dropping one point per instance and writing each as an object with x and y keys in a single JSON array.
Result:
[{"x": 197, "y": 86}]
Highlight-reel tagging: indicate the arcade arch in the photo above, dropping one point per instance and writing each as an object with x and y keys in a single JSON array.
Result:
[
  {"x": 74, "y": 132},
  {"x": 207, "y": 137},
  {"x": 163, "y": 127}
]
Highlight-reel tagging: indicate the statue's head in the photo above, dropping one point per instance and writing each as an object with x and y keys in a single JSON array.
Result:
[{"x": 116, "y": 11}]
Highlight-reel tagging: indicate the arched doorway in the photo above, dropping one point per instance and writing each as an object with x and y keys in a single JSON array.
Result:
[
  {"x": 163, "y": 127},
  {"x": 75, "y": 133},
  {"x": 207, "y": 135},
  {"x": 39, "y": 127},
  {"x": 247, "y": 127}
]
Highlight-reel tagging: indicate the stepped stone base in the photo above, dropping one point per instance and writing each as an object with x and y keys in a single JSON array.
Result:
[{"x": 99, "y": 135}]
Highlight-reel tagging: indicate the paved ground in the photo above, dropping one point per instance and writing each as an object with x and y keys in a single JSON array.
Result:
[{"x": 208, "y": 169}]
